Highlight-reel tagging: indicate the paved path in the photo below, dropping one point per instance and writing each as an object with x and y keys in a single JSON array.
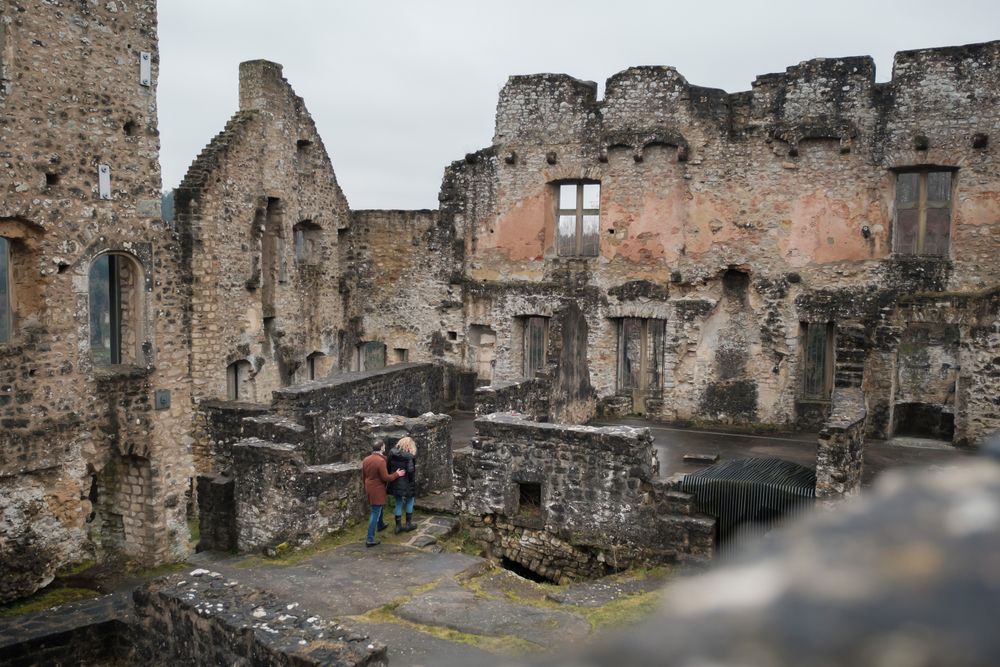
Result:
[{"x": 433, "y": 605}]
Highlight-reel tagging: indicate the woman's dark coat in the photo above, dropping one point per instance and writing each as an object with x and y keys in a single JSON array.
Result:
[{"x": 400, "y": 459}]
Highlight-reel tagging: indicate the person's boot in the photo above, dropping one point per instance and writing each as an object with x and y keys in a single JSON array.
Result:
[
  {"x": 409, "y": 522},
  {"x": 399, "y": 525}
]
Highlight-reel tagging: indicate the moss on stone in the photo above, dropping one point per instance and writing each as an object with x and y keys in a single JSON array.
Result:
[{"x": 46, "y": 599}]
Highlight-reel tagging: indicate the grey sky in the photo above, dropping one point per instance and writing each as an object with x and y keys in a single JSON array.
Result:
[{"x": 399, "y": 89}]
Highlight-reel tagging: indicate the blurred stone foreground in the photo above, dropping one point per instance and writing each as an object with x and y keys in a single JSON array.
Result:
[{"x": 906, "y": 576}]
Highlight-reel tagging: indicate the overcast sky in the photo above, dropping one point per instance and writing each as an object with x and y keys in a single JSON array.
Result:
[{"x": 399, "y": 89}]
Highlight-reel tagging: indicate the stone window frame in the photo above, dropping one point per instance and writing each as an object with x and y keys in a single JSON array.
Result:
[
  {"x": 807, "y": 332},
  {"x": 647, "y": 336},
  {"x": 571, "y": 206},
  {"x": 921, "y": 207},
  {"x": 127, "y": 310}
]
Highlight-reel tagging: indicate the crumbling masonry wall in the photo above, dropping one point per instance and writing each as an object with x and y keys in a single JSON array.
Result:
[
  {"x": 574, "y": 501},
  {"x": 261, "y": 213},
  {"x": 737, "y": 220},
  {"x": 90, "y": 465}
]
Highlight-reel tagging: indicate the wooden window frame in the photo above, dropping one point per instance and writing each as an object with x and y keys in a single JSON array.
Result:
[
  {"x": 647, "y": 352},
  {"x": 578, "y": 212},
  {"x": 922, "y": 205}
]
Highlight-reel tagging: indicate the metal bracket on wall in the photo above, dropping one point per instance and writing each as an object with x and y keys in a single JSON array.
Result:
[
  {"x": 145, "y": 69},
  {"x": 104, "y": 181}
]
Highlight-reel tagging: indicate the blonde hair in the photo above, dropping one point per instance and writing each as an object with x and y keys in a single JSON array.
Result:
[{"x": 407, "y": 444}]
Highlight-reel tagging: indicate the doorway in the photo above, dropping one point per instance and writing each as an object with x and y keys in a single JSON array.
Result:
[{"x": 640, "y": 360}]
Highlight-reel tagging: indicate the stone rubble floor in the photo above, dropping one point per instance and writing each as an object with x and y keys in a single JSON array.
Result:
[{"x": 433, "y": 605}]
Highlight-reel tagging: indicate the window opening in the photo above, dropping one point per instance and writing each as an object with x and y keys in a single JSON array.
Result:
[
  {"x": 112, "y": 287},
  {"x": 371, "y": 355},
  {"x": 578, "y": 220},
  {"x": 237, "y": 376},
  {"x": 640, "y": 359},
  {"x": 817, "y": 360},
  {"x": 536, "y": 335},
  {"x": 923, "y": 213},
  {"x": 312, "y": 364},
  {"x": 529, "y": 498}
]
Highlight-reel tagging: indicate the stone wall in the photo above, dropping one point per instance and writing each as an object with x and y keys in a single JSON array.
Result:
[
  {"x": 201, "y": 618},
  {"x": 568, "y": 501},
  {"x": 529, "y": 398},
  {"x": 840, "y": 449},
  {"x": 261, "y": 215},
  {"x": 431, "y": 432},
  {"x": 738, "y": 221},
  {"x": 404, "y": 286},
  {"x": 278, "y": 498},
  {"x": 69, "y": 421},
  {"x": 405, "y": 389}
]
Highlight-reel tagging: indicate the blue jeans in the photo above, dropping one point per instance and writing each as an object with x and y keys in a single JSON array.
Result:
[
  {"x": 399, "y": 505},
  {"x": 374, "y": 521}
]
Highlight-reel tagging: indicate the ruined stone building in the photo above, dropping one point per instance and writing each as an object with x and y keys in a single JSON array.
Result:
[
  {"x": 95, "y": 402},
  {"x": 816, "y": 252}
]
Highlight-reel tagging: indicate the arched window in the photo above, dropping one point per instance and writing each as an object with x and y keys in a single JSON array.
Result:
[
  {"x": 238, "y": 380},
  {"x": 6, "y": 299},
  {"x": 115, "y": 304}
]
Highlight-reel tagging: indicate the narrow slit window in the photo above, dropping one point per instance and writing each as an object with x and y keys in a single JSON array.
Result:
[
  {"x": 313, "y": 365},
  {"x": 578, "y": 220}
]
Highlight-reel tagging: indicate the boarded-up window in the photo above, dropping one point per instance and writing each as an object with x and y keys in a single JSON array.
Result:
[
  {"x": 817, "y": 361},
  {"x": 640, "y": 354},
  {"x": 578, "y": 220},
  {"x": 923, "y": 213},
  {"x": 371, "y": 355},
  {"x": 536, "y": 337},
  {"x": 307, "y": 240},
  {"x": 6, "y": 310}
]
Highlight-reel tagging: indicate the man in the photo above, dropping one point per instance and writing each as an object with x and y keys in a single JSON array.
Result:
[{"x": 376, "y": 476}]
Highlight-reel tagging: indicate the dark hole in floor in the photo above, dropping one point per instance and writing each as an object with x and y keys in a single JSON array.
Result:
[{"x": 522, "y": 571}]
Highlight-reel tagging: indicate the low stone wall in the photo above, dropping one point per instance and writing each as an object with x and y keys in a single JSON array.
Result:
[
  {"x": 201, "y": 618},
  {"x": 278, "y": 497},
  {"x": 574, "y": 501},
  {"x": 529, "y": 398},
  {"x": 841, "y": 446},
  {"x": 88, "y": 632},
  {"x": 431, "y": 432},
  {"x": 402, "y": 389}
]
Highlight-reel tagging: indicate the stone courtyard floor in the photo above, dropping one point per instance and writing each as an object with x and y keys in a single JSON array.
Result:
[{"x": 435, "y": 604}]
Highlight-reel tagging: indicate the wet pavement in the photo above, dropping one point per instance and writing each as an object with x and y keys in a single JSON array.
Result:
[{"x": 672, "y": 444}]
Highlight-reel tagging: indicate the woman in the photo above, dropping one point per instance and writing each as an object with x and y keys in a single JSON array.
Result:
[{"x": 403, "y": 459}]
